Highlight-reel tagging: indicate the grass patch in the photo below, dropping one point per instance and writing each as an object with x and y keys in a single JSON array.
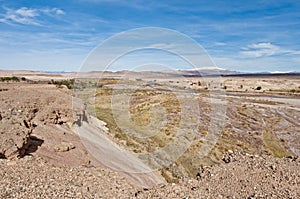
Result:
[
  {"x": 144, "y": 102},
  {"x": 168, "y": 176},
  {"x": 273, "y": 145}
]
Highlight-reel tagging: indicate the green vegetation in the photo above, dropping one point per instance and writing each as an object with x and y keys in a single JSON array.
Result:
[
  {"x": 258, "y": 88},
  {"x": 68, "y": 83},
  {"x": 294, "y": 91},
  {"x": 10, "y": 79},
  {"x": 286, "y": 90}
]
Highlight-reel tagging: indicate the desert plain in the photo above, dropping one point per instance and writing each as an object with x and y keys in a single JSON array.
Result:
[{"x": 144, "y": 135}]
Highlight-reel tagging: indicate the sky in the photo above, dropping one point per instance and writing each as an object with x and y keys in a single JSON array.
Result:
[{"x": 54, "y": 35}]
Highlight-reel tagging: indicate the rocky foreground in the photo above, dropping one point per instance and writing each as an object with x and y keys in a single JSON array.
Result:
[{"x": 244, "y": 176}]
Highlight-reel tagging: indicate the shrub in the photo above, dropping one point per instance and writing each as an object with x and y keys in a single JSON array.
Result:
[
  {"x": 68, "y": 83},
  {"x": 8, "y": 79}
]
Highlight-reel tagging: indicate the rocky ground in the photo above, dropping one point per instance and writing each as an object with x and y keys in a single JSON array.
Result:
[
  {"x": 33, "y": 177},
  {"x": 243, "y": 176},
  {"x": 29, "y": 112},
  {"x": 41, "y": 157}
]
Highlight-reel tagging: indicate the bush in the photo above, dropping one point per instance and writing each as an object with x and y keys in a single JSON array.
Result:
[
  {"x": 68, "y": 83},
  {"x": 258, "y": 88},
  {"x": 8, "y": 79}
]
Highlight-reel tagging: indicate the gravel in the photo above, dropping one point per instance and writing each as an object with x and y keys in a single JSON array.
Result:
[{"x": 244, "y": 176}]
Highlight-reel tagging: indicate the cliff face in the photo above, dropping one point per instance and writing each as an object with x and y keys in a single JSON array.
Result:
[{"x": 24, "y": 107}]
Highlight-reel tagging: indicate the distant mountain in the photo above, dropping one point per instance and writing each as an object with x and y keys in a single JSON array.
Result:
[
  {"x": 18, "y": 72},
  {"x": 208, "y": 71},
  {"x": 282, "y": 72},
  {"x": 55, "y": 72},
  {"x": 197, "y": 72}
]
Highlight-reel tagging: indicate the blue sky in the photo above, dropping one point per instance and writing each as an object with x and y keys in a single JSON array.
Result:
[{"x": 239, "y": 35}]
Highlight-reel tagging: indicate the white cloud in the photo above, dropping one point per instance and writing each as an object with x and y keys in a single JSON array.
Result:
[
  {"x": 22, "y": 16},
  {"x": 27, "y": 16},
  {"x": 220, "y": 44},
  {"x": 168, "y": 46},
  {"x": 25, "y": 12},
  {"x": 53, "y": 11},
  {"x": 265, "y": 50}
]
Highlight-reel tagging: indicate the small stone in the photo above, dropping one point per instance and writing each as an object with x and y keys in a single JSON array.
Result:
[
  {"x": 273, "y": 167},
  {"x": 11, "y": 163},
  {"x": 63, "y": 147}
]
